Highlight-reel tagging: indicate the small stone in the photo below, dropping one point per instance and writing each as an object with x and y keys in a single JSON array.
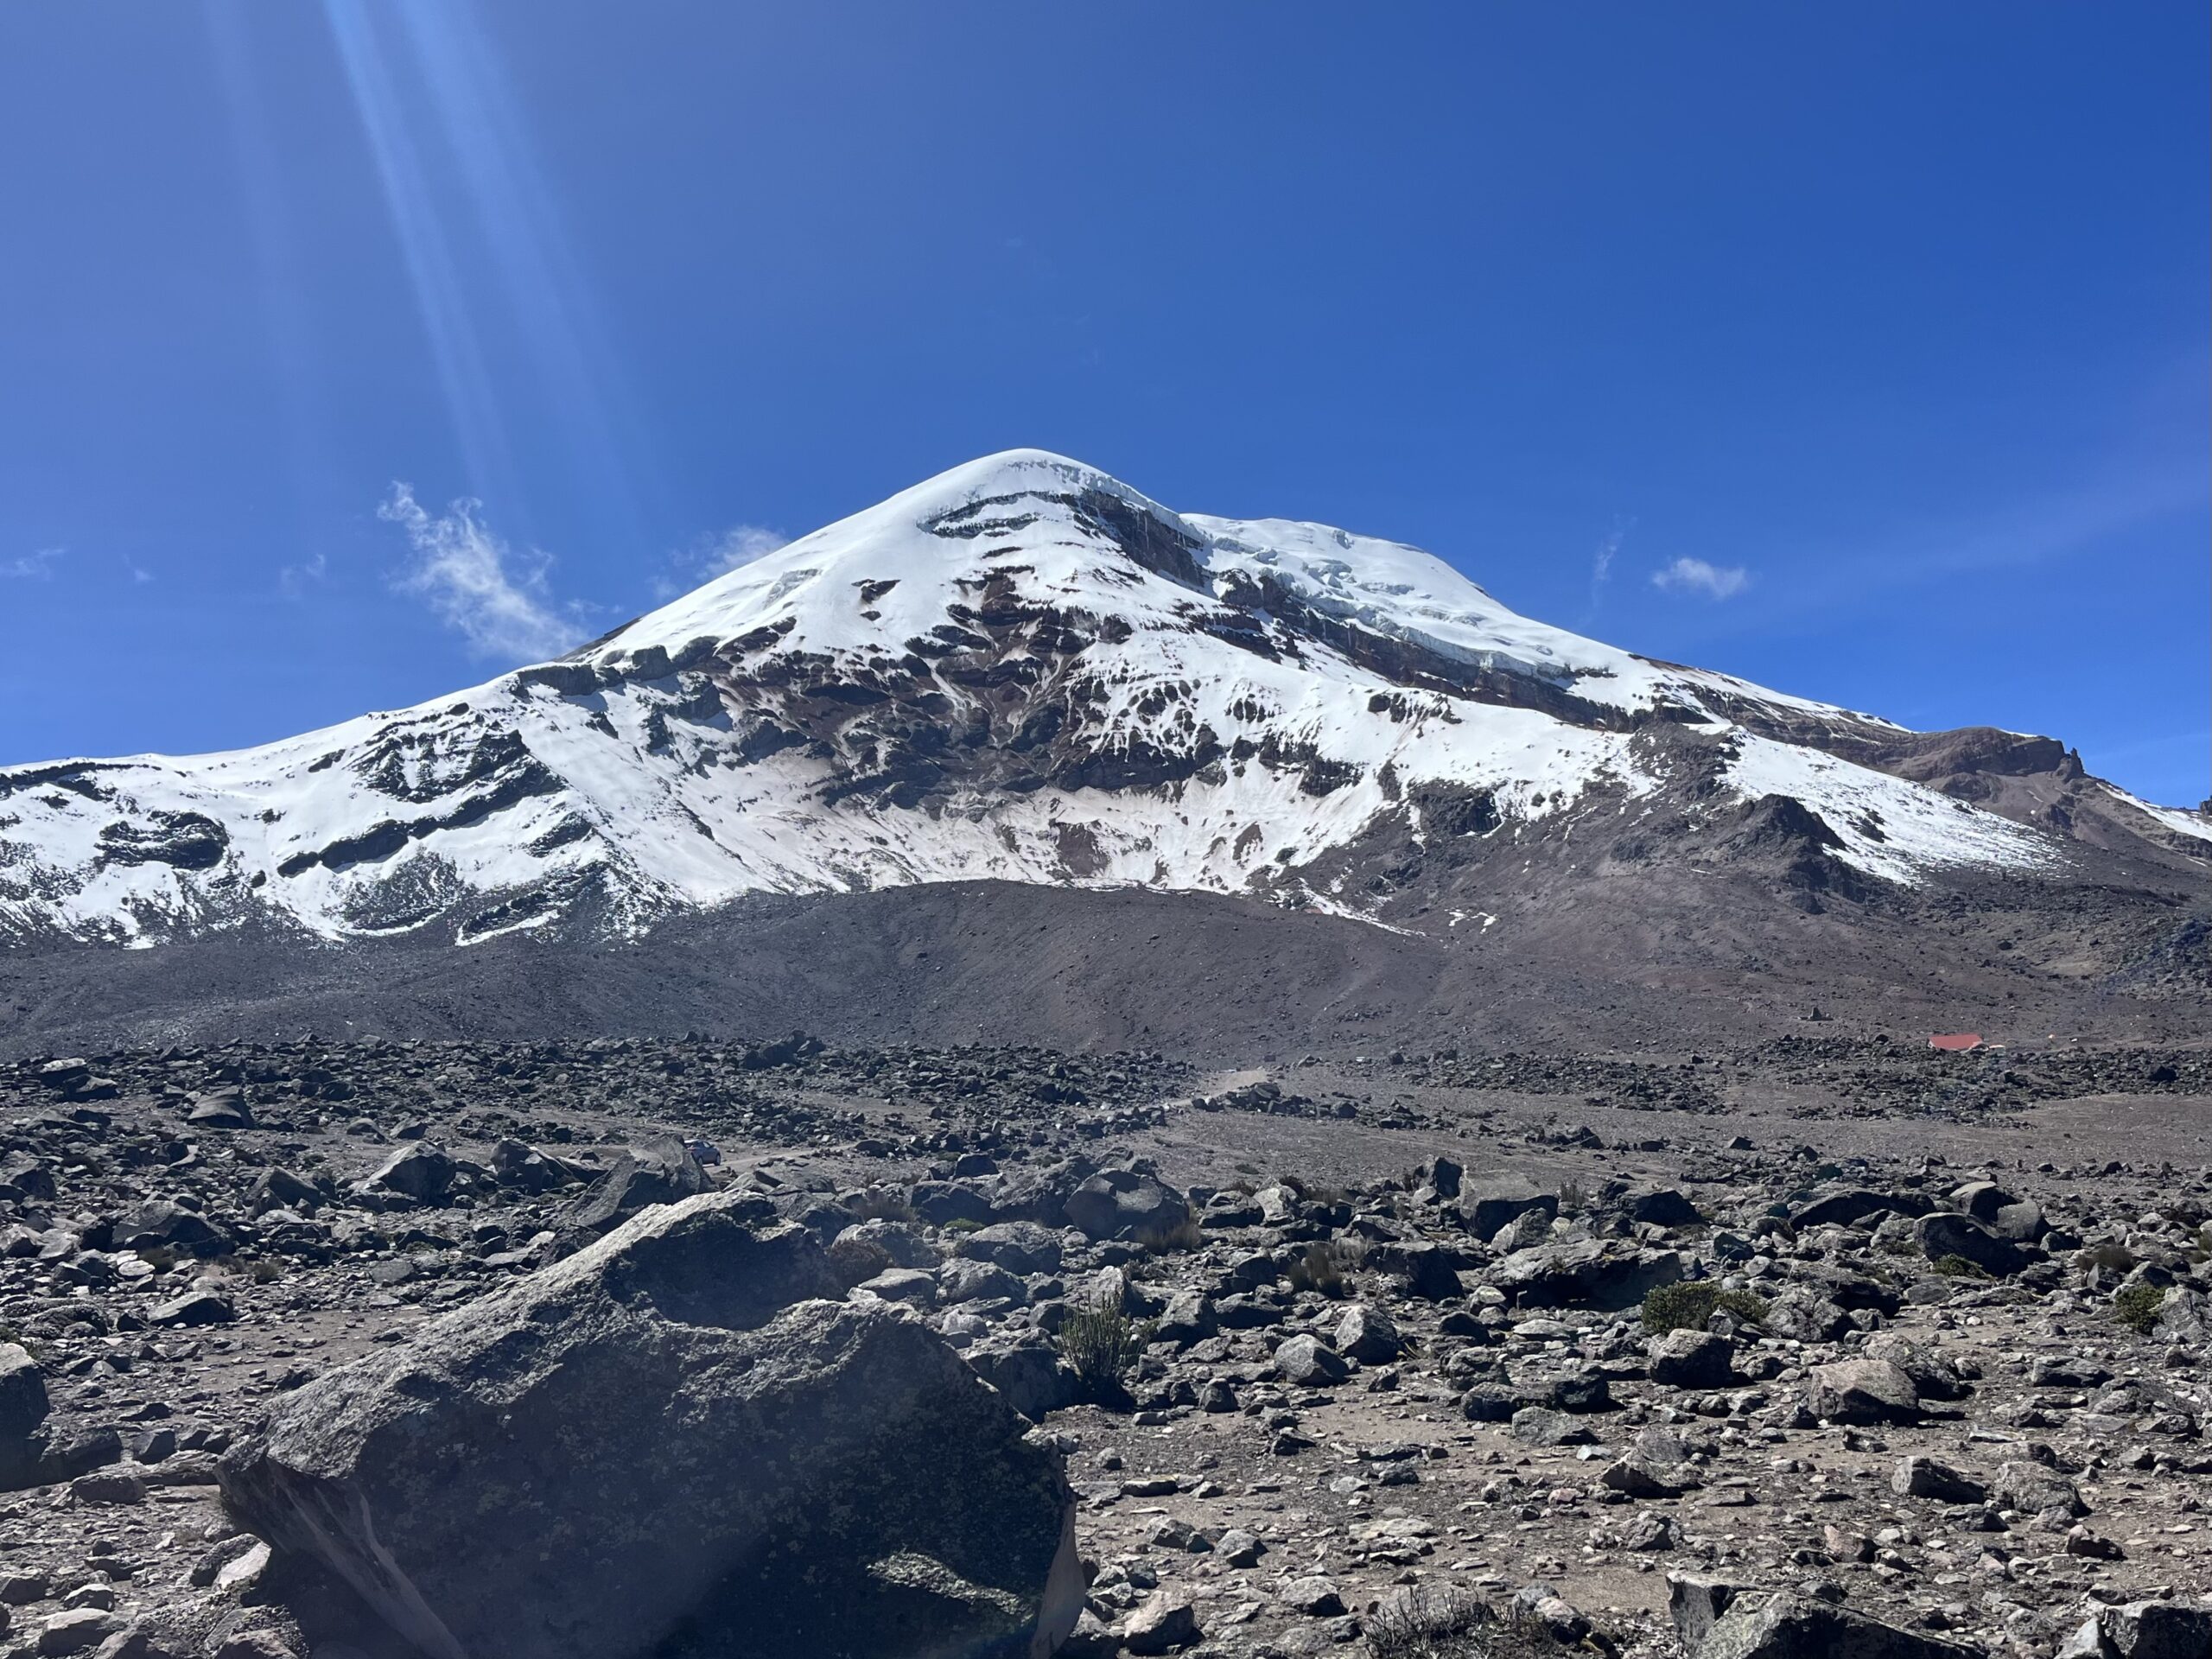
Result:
[
  {"x": 1310, "y": 1362},
  {"x": 1863, "y": 1392},
  {"x": 1315, "y": 1597},
  {"x": 1237, "y": 1548},
  {"x": 197, "y": 1307},
  {"x": 76, "y": 1630},
  {"x": 1919, "y": 1477},
  {"x": 1164, "y": 1623}
]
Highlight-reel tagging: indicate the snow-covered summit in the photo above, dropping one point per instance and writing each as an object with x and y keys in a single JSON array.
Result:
[{"x": 1021, "y": 669}]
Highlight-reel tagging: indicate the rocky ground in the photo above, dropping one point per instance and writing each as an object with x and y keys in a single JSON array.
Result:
[{"x": 1837, "y": 1323}]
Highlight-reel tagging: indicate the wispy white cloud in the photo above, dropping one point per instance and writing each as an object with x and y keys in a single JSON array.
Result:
[
  {"x": 1601, "y": 563},
  {"x": 716, "y": 556},
  {"x": 140, "y": 575},
  {"x": 294, "y": 580},
  {"x": 476, "y": 584},
  {"x": 741, "y": 544},
  {"x": 1601, "y": 568},
  {"x": 32, "y": 567},
  {"x": 1714, "y": 581}
]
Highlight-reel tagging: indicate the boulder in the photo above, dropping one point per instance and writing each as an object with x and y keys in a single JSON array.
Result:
[
  {"x": 1029, "y": 1372},
  {"x": 1541, "y": 1426},
  {"x": 1126, "y": 1204},
  {"x": 1696, "y": 1604},
  {"x": 195, "y": 1308},
  {"x": 1418, "y": 1267},
  {"x": 1367, "y": 1335},
  {"x": 909, "y": 1285},
  {"x": 1934, "y": 1376},
  {"x": 693, "y": 1444},
  {"x": 1920, "y": 1477},
  {"x": 1852, "y": 1206},
  {"x": 1663, "y": 1206},
  {"x": 1310, "y": 1362},
  {"x": 1020, "y": 1247},
  {"x": 1943, "y": 1233},
  {"x": 1442, "y": 1176},
  {"x": 1863, "y": 1392},
  {"x": 1692, "y": 1359},
  {"x": 1165, "y": 1622},
  {"x": 946, "y": 1203},
  {"x": 529, "y": 1170},
  {"x": 965, "y": 1279},
  {"x": 277, "y": 1188},
  {"x": 22, "y": 1411},
  {"x": 158, "y": 1223},
  {"x": 223, "y": 1111},
  {"x": 23, "y": 1393},
  {"x": 2037, "y": 1489},
  {"x": 1189, "y": 1318},
  {"x": 2144, "y": 1630},
  {"x": 422, "y": 1171},
  {"x": 1487, "y": 1205},
  {"x": 659, "y": 1169},
  {"x": 1560, "y": 1384},
  {"x": 1796, "y": 1627},
  {"x": 1580, "y": 1271}
]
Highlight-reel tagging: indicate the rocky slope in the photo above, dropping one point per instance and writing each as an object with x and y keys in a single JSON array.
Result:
[
  {"x": 1023, "y": 671},
  {"x": 1328, "y": 1355}
]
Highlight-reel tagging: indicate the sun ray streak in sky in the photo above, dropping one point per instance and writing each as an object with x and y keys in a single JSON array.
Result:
[
  {"x": 427, "y": 247},
  {"x": 467, "y": 196},
  {"x": 547, "y": 293}
]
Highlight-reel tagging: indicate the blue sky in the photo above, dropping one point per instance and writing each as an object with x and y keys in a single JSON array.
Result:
[{"x": 1861, "y": 351}]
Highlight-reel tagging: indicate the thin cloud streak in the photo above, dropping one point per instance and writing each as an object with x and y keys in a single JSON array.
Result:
[
  {"x": 294, "y": 580},
  {"x": 1601, "y": 565},
  {"x": 495, "y": 598},
  {"x": 717, "y": 555},
  {"x": 36, "y": 566}
]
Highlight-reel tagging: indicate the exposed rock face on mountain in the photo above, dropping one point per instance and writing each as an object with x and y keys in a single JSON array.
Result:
[{"x": 1025, "y": 671}]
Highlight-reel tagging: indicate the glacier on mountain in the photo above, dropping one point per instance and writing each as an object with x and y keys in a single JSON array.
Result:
[{"x": 1021, "y": 670}]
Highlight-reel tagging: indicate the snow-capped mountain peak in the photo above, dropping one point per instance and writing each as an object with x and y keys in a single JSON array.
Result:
[{"x": 1021, "y": 670}]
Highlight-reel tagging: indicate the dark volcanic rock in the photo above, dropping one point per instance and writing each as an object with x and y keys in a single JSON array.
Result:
[
  {"x": 696, "y": 1460},
  {"x": 1126, "y": 1204},
  {"x": 1943, "y": 1234},
  {"x": 659, "y": 1169},
  {"x": 1795, "y": 1627}
]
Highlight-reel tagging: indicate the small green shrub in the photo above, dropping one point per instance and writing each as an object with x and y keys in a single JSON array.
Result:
[
  {"x": 1185, "y": 1235},
  {"x": 881, "y": 1204},
  {"x": 1102, "y": 1345},
  {"x": 1441, "y": 1622},
  {"x": 1957, "y": 1267},
  {"x": 1320, "y": 1267},
  {"x": 1688, "y": 1305},
  {"x": 2137, "y": 1306}
]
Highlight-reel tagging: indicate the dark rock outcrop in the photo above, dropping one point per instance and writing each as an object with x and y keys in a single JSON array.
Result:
[{"x": 666, "y": 1444}]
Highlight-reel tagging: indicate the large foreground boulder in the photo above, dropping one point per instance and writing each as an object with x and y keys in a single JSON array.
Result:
[{"x": 665, "y": 1446}]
